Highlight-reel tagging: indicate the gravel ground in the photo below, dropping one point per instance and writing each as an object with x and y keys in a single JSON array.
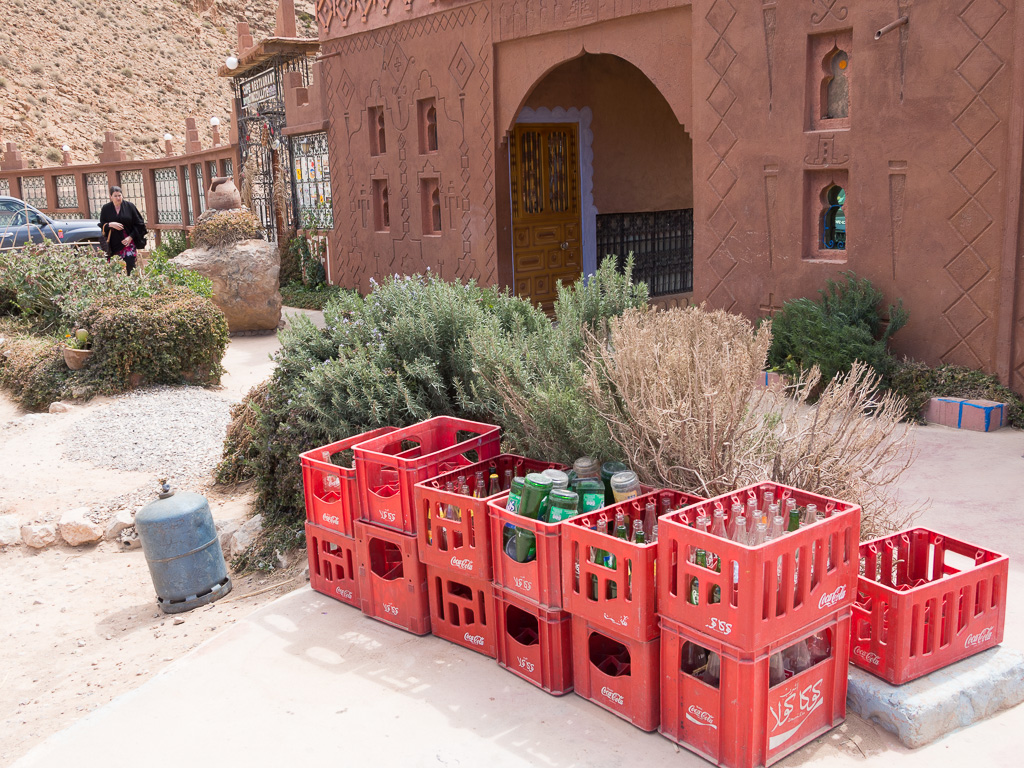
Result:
[{"x": 173, "y": 432}]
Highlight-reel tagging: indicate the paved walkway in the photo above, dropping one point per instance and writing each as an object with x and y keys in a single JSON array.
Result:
[{"x": 310, "y": 681}]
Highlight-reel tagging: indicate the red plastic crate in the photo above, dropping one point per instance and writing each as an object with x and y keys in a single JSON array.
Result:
[
  {"x": 388, "y": 467},
  {"x": 783, "y": 585},
  {"x": 462, "y": 610},
  {"x": 925, "y": 600},
  {"x": 333, "y": 507},
  {"x": 538, "y": 580},
  {"x": 625, "y": 599},
  {"x": 463, "y": 545},
  {"x": 534, "y": 643},
  {"x": 742, "y": 722},
  {"x": 392, "y": 580},
  {"x": 333, "y": 564},
  {"x": 620, "y": 674}
]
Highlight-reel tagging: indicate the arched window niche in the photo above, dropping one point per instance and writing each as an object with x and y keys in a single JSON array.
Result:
[
  {"x": 835, "y": 86},
  {"x": 833, "y": 219}
]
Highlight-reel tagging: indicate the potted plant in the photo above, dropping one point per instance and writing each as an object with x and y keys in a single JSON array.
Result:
[{"x": 77, "y": 349}]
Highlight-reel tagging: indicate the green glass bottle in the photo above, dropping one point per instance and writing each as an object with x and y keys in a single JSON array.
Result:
[
  {"x": 562, "y": 505},
  {"x": 608, "y": 469},
  {"x": 591, "y": 494},
  {"x": 794, "y": 520},
  {"x": 515, "y": 498},
  {"x": 701, "y": 559},
  {"x": 535, "y": 490}
]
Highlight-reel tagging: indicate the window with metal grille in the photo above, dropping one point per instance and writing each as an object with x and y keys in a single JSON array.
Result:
[
  {"x": 833, "y": 219},
  {"x": 661, "y": 243},
  {"x": 97, "y": 192},
  {"x": 33, "y": 190},
  {"x": 202, "y": 191},
  {"x": 5, "y": 187},
  {"x": 168, "y": 196},
  {"x": 67, "y": 192},
  {"x": 311, "y": 180},
  {"x": 133, "y": 190}
]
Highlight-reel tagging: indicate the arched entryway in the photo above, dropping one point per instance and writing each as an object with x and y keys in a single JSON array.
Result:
[{"x": 598, "y": 164}]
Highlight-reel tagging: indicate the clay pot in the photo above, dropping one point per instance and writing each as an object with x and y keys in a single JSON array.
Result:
[
  {"x": 223, "y": 195},
  {"x": 76, "y": 358}
]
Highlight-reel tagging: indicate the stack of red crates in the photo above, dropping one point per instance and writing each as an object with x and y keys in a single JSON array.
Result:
[
  {"x": 791, "y": 596},
  {"x": 332, "y": 498},
  {"x": 453, "y": 536},
  {"x": 393, "y": 583},
  {"x": 534, "y": 638},
  {"x": 608, "y": 585}
]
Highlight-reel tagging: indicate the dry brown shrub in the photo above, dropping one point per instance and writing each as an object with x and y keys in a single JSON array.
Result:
[
  {"x": 240, "y": 447},
  {"x": 224, "y": 227},
  {"x": 680, "y": 393}
]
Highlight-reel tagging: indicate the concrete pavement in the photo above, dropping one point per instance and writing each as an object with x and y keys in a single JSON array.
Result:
[{"x": 309, "y": 680}]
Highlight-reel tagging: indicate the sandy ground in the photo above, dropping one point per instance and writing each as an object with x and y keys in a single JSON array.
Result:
[{"x": 80, "y": 625}]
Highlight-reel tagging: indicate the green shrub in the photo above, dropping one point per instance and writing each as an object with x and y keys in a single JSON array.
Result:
[
  {"x": 172, "y": 243},
  {"x": 919, "y": 383},
  {"x": 172, "y": 337},
  {"x": 842, "y": 326},
  {"x": 32, "y": 369},
  {"x": 298, "y": 295},
  {"x": 199, "y": 284}
]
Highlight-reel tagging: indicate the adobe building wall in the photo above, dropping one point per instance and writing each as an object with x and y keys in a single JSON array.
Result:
[
  {"x": 386, "y": 80},
  {"x": 930, "y": 157}
]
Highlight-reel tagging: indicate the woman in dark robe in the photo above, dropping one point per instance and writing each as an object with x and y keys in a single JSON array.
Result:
[{"x": 124, "y": 229}]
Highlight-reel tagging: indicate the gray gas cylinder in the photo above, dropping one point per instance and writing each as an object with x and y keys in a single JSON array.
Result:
[{"x": 182, "y": 551}]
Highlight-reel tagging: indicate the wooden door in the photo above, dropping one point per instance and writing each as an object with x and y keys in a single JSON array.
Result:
[{"x": 546, "y": 245}]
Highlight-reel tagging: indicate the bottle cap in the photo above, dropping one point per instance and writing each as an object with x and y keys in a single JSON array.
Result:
[
  {"x": 558, "y": 478},
  {"x": 563, "y": 498},
  {"x": 586, "y": 466},
  {"x": 609, "y": 468},
  {"x": 537, "y": 480},
  {"x": 624, "y": 479}
]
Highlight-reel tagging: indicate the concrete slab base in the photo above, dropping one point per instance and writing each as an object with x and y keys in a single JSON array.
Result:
[{"x": 922, "y": 710}]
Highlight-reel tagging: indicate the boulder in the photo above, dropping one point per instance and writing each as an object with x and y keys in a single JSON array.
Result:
[
  {"x": 39, "y": 535},
  {"x": 244, "y": 536},
  {"x": 123, "y": 519},
  {"x": 76, "y": 527},
  {"x": 245, "y": 281},
  {"x": 9, "y": 533}
]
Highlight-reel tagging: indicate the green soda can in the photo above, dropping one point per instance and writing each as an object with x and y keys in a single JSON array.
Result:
[
  {"x": 591, "y": 493},
  {"x": 562, "y": 505},
  {"x": 535, "y": 490},
  {"x": 608, "y": 469}
]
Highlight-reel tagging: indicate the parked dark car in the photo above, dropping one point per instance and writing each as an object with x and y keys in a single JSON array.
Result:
[{"x": 20, "y": 224}]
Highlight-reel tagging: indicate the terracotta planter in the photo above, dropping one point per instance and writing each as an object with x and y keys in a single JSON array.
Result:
[{"x": 76, "y": 358}]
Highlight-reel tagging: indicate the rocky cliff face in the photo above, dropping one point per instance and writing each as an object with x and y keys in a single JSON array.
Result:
[{"x": 72, "y": 69}]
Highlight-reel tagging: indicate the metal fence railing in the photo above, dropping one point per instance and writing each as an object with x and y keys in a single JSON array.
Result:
[{"x": 661, "y": 243}]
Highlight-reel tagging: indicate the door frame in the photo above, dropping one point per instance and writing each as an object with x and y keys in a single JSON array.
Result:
[{"x": 588, "y": 213}]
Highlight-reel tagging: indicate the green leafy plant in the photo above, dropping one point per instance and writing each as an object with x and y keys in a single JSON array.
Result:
[
  {"x": 172, "y": 243},
  {"x": 80, "y": 339},
  {"x": 160, "y": 265},
  {"x": 843, "y": 326},
  {"x": 298, "y": 295},
  {"x": 918, "y": 383}
]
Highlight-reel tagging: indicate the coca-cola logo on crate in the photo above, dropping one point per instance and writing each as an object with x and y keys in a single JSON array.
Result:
[
  {"x": 473, "y": 639},
  {"x": 611, "y": 695},
  {"x": 980, "y": 638},
  {"x": 792, "y": 710},
  {"x": 465, "y": 565},
  {"x": 697, "y": 715},
  {"x": 868, "y": 657},
  {"x": 332, "y": 519},
  {"x": 833, "y": 597}
]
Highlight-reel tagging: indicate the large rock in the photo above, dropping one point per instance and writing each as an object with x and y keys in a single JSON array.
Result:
[
  {"x": 9, "y": 533},
  {"x": 125, "y": 518},
  {"x": 39, "y": 535},
  {"x": 242, "y": 538},
  {"x": 76, "y": 527},
  {"x": 245, "y": 281}
]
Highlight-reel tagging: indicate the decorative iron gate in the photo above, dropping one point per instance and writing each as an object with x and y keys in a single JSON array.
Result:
[
  {"x": 260, "y": 99},
  {"x": 311, "y": 181},
  {"x": 661, "y": 243}
]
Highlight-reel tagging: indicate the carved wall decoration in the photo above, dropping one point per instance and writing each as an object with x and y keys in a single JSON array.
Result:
[
  {"x": 828, "y": 9},
  {"x": 973, "y": 172},
  {"x": 721, "y": 181},
  {"x": 827, "y": 153},
  {"x": 903, "y": 9},
  {"x": 771, "y": 187},
  {"x": 897, "y": 197},
  {"x": 429, "y": 58},
  {"x": 768, "y": 15}
]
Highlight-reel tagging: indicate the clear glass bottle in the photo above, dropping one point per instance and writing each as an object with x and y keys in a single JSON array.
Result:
[
  {"x": 760, "y": 534},
  {"x": 713, "y": 670},
  {"x": 625, "y": 485},
  {"x": 718, "y": 525},
  {"x": 810, "y": 515},
  {"x": 776, "y": 670},
  {"x": 638, "y": 532},
  {"x": 752, "y": 513}
]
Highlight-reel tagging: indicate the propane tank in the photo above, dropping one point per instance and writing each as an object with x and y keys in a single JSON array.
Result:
[{"x": 182, "y": 550}]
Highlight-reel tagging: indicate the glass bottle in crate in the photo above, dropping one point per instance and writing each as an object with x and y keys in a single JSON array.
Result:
[
  {"x": 563, "y": 505},
  {"x": 515, "y": 500},
  {"x": 535, "y": 492},
  {"x": 625, "y": 486},
  {"x": 713, "y": 671},
  {"x": 621, "y": 529},
  {"x": 638, "y": 532},
  {"x": 608, "y": 469},
  {"x": 734, "y": 514},
  {"x": 776, "y": 670},
  {"x": 751, "y": 513},
  {"x": 591, "y": 494},
  {"x": 494, "y": 487}
]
